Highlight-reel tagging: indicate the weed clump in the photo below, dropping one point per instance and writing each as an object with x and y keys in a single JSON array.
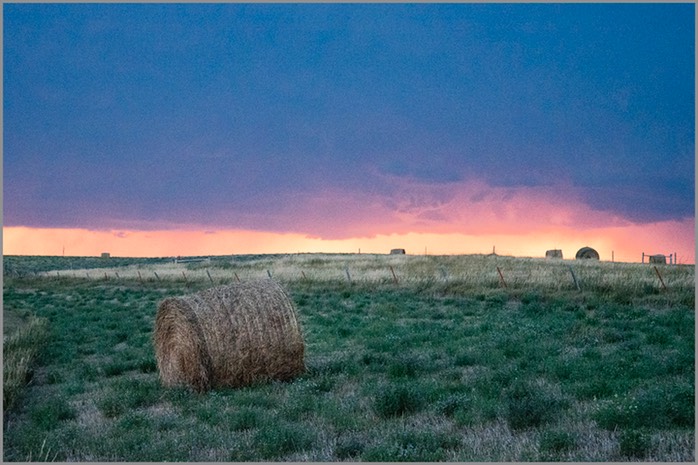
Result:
[
  {"x": 531, "y": 405},
  {"x": 47, "y": 416},
  {"x": 349, "y": 446},
  {"x": 554, "y": 443},
  {"x": 398, "y": 400},
  {"x": 280, "y": 439},
  {"x": 652, "y": 407},
  {"x": 412, "y": 446},
  {"x": 634, "y": 444}
]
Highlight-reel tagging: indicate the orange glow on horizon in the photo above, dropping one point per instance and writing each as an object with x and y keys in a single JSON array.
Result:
[{"x": 627, "y": 243}]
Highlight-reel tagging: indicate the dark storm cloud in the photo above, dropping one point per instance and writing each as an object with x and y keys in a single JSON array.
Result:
[{"x": 225, "y": 114}]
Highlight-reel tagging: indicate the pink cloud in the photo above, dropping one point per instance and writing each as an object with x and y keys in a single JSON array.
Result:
[
  {"x": 445, "y": 218},
  {"x": 406, "y": 206}
]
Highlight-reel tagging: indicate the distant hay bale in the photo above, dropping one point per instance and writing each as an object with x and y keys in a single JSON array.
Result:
[
  {"x": 658, "y": 259},
  {"x": 587, "y": 253},
  {"x": 228, "y": 336},
  {"x": 397, "y": 252},
  {"x": 554, "y": 253}
]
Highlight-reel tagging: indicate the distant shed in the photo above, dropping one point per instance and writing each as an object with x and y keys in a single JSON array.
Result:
[
  {"x": 658, "y": 259},
  {"x": 587, "y": 253},
  {"x": 397, "y": 252},
  {"x": 554, "y": 253},
  {"x": 105, "y": 255}
]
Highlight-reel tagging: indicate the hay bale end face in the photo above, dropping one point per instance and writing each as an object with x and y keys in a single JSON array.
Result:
[
  {"x": 658, "y": 259},
  {"x": 554, "y": 253},
  {"x": 587, "y": 253},
  {"x": 228, "y": 336},
  {"x": 397, "y": 252}
]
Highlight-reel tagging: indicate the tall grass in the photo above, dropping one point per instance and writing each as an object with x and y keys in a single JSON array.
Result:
[
  {"x": 447, "y": 273},
  {"x": 20, "y": 352}
]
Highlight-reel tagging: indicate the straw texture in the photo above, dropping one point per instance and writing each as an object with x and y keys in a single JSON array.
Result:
[{"x": 228, "y": 336}]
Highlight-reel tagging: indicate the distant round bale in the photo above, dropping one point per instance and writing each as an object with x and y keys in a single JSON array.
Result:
[
  {"x": 658, "y": 259},
  {"x": 228, "y": 336},
  {"x": 554, "y": 253},
  {"x": 397, "y": 252},
  {"x": 587, "y": 253}
]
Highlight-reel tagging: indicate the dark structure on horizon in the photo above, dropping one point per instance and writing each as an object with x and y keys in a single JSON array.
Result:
[
  {"x": 587, "y": 253},
  {"x": 554, "y": 253}
]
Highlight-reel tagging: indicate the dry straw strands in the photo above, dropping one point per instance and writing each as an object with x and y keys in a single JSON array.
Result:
[{"x": 230, "y": 336}]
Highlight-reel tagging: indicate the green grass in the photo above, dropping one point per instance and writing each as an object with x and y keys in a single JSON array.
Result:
[{"x": 425, "y": 370}]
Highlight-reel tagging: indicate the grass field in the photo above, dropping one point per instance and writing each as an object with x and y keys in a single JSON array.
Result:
[{"x": 409, "y": 359}]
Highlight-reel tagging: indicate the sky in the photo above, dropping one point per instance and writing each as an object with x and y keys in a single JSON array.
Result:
[{"x": 190, "y": 129}]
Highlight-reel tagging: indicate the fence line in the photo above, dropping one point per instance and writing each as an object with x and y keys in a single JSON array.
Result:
[{"x": 522, "y": 277}]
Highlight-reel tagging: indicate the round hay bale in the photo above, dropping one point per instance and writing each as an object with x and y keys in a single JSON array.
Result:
[
  {"x": 555, "y": 253},
  {"x": 228, "y": 336},
  {"x": 397, "y": 251},
  {"x": 587, "y": 253},
  {"x": 658, "y": 259}
]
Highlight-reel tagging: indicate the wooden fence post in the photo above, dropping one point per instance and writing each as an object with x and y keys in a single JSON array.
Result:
[
  {"x": 209, "y": 275},
  {"x": 501, "y": 278},
  {"x": 574, "y": 278},
  {"x": 236, "y": 277},
  {"x": 346, "y": 269},
  {"x": 156, "y": 275},
  {"x": 393, "y": 272},
  {"x": 660, "y": 278}
]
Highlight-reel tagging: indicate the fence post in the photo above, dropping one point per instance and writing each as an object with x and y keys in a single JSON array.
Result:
[
  {"x": 393, "y": 272},
  {"x": 501, "y": 278},
  {"x": 660, "y": 278},
  {"x": 236, "y": 277},
  {"x": 140, "y": 278},
  {"x": 346, "y": 269},
  {"x": 209, "y": 275},
  {"x": 156, "y": 275},
  {"x": 574, "y": 278},
  {"x": 269, "y": 274}
]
